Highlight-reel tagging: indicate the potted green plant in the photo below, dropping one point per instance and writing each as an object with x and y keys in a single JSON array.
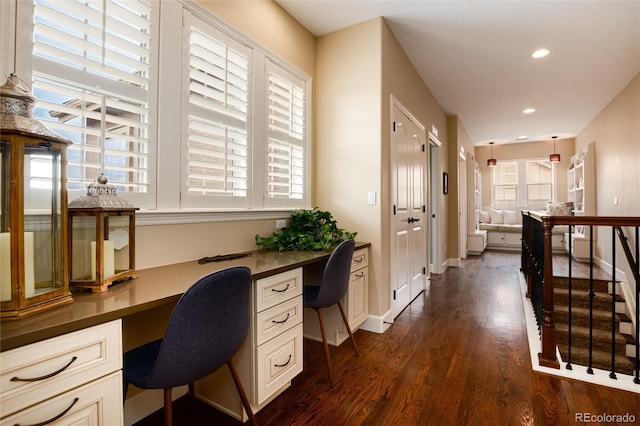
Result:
[{"x": 310, "y": 229}]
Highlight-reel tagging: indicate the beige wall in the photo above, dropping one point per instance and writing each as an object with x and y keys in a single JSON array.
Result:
[
  {"x": 400, "y": 79},
  {"x": 457, "y": 199},
  {"x": 281, "y": 34},
  {"x": 516, "y": 151},
  {"x": 348, "y": 141},
  {"x": 358, "y": 70},
  {"x": 615, "y": 132}
]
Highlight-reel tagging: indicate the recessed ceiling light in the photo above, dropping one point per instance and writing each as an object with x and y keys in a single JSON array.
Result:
[
  {"x": 540, "y": 53},
  {"x": 529, "y": 110},
  {"x": 521, "y": 138}
]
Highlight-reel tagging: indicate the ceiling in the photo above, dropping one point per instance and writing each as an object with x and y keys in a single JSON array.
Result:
[{"x": 475, "y": 57}]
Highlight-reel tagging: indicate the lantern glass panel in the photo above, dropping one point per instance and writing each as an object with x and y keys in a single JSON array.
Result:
[
  {"x": 118, "y": 235},
  {"x": 83, "y": 248},
  {"x": 42, "y": 220}
]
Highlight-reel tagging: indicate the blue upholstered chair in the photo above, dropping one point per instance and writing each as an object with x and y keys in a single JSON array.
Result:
[
  {"x": 206, "y": 328},
  {"x": 333, "y": 286}
]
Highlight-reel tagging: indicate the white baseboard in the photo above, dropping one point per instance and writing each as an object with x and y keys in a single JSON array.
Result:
[
  {"x": 143, "y": 404},
  {"x": 378, "y": 324}
]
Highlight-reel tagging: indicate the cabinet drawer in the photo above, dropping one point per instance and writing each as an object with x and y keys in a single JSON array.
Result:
[
  {"x": 496, "y": 238},
  {"x": 76, "y": 357},
  {"x": 360, "y": 259},
  {"x": 513, "y": 239},
  {"x": 96, "y": 403},
  {"x": 278, "y": 361},
  {"x": 275, "y": 320},
  {"x": 277, "y": 288}
]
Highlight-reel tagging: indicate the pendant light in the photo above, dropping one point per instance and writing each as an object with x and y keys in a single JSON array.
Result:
[
  {"x": 554, "y": 158},
  {"x": 491, "y": 162}
]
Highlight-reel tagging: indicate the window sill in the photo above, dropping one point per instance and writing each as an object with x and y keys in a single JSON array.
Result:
[{"x": 174, "y": 217}]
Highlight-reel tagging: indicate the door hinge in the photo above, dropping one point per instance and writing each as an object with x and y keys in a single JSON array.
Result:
[
  {"x": 424, "y": 148},
  {"x": 394, "y": 126},
  {"x": 424, "y": 270},
  {"x": 424, "y": 208},
  {"x": 394, "y": 295},
  {"x": 394, "y": 209}
]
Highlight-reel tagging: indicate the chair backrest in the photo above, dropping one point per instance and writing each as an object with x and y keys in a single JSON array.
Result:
[
  {"x": 335, "y": 278},
  {"x": 206, "y": 328}
]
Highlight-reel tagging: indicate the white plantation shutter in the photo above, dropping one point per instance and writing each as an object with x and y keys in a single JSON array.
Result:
[
  {"x": 218, "y": 149},
  {"x": 91, "y": 70},
  {"x": 539, "y": 182},
  {"x": 286, "y": 137},
  {"x": 505, "y": 183}
]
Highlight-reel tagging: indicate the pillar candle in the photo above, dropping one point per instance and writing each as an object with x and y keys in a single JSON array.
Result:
[{"x": 5, "y": 265}]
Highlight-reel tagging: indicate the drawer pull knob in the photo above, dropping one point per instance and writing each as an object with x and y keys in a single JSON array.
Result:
[
  {"x": 35, "y": 379},
  {"x": 360, "y": 275},
  {"x": 282, "y": 365},
  {"x": 53, "y": 419},
  {"x": 360, "y": 259},
  {"x": 281, "y": 291},
  {"x": 283, "y": 321}
]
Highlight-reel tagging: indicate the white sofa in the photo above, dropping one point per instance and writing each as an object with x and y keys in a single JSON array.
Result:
[{"x": 504, "y": 229}]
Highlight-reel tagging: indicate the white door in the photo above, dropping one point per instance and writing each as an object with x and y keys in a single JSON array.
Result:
[{"x": 408, "y": 263}]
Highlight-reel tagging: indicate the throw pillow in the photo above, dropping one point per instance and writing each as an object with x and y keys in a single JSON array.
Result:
[
  {"x": 560, "y": 209},
  {"x": 485, "y": 217},
  {"x": 496, "y": 216},
  {"x": 510, "y": 217}
]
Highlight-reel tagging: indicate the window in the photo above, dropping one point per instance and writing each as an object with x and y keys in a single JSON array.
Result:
[
  {"x": 525, "y": 183},
  {"x": 505, "y": 184},
  {"x": 203, "y": 118},
  {"x": 91, "y": 75},
  {"x": 539, "y": 182},
  {"x": 286, "y": 135},
  {"x": 247, "y": 134},
  {"x": 218, "y": 151}
]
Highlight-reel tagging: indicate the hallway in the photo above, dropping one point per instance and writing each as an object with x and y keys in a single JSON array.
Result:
[{"x": 457, "y": 355}]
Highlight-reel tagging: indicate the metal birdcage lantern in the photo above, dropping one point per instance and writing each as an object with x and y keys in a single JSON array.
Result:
[
  {"x": 33, "y": 209},
  {"x": 102, "y": 243}
]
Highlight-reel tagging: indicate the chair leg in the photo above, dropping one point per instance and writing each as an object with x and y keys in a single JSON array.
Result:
[
  {"x": 326, "y": 345},
  {"x": 168, "y": 407},
  {"x": 192, "y": 390},
  {"x": 243, "y": 395},
  {"x": 346, "y": 324}
]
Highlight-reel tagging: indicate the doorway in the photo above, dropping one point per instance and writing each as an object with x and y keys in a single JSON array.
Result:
[
  {"x": 408, "y": 224},
  {"x": 435, "y": 183}
]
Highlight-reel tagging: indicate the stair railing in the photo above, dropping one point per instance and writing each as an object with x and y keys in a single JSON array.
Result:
[{"x": 537, "y": 267}]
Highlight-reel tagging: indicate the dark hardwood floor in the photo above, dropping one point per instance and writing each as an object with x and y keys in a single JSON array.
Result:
[{"x": 458, "y": 355}]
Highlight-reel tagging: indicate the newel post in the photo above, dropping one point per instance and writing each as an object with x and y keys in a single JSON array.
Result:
[{"x": 547, "y": 357}]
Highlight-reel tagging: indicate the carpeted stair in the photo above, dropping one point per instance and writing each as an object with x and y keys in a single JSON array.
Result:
[{"x": 602, "y": 324}]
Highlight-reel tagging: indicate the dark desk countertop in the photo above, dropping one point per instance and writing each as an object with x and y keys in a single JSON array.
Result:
[{"x": 152, "y": 288}]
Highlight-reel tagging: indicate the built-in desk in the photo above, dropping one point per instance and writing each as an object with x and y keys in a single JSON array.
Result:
[{"x": 156, "y": 288}]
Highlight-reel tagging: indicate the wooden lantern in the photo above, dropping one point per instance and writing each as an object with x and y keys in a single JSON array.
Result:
[
  {"x": 33, "y": 209},
  {"x": 102, "y": 243}
]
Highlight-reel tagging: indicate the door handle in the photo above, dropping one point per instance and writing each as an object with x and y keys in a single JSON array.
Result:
[{"x": 411, "y": 220}]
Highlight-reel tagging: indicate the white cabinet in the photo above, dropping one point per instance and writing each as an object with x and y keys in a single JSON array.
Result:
[
  {"x": 355, "y": 303},
  {"x": 271, "y": 356},
  {"x": 476, "y": 238},
  {"x": 580, "y": 178},
  {"x": 75, "y": 378},
  {"x": 357, "y": 297},
  {"x": 477, "y": 242}
]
